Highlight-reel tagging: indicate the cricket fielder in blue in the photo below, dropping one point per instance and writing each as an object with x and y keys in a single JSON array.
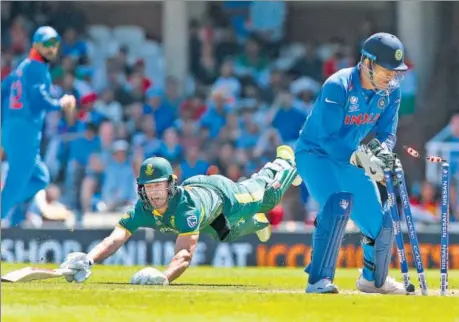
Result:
[
  {"x": 341, "y": 175},
  {"x": 25, "y": 101}
]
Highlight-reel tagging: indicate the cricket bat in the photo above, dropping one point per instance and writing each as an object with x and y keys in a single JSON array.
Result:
[{"x": 28, "y": 274}]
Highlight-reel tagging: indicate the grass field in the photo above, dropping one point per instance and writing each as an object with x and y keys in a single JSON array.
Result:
[{"x": 217, "y": 294}]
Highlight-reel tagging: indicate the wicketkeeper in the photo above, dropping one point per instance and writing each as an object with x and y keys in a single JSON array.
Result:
[{"x": 213, "y": 205}]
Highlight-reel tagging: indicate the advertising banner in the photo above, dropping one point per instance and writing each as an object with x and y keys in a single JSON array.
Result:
[{"x": 147, "y": 248}]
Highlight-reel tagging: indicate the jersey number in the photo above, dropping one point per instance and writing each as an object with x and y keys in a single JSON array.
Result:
[{"x": 16, "y": 94}]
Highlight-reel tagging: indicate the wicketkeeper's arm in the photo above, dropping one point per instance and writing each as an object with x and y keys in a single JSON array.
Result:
[
  {"x": 185, "y": 246},
  {"x": 109, "y": 245}
]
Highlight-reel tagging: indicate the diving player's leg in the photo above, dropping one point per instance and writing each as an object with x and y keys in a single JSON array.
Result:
[
  {"x": 376, "y": 227},
  {"x": 320, "y": 175},
  {"x": 277, "y": 177}
]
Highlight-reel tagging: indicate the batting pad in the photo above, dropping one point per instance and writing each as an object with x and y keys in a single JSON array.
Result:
[{"x": 328, "y": 236}]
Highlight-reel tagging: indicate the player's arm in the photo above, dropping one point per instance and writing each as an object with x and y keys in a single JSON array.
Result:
[
  {"x": 332, "y": 102},
  {"x": 6, "y": 86},
  {"x": 43, "y": 97},
  {"x": 187, "y": 222},
  {"x": 185, "y": 246},
  {"x": 386, "y": 128},
  {"x": 109, "y": 245},
  {"x": 81, "y": 262}
]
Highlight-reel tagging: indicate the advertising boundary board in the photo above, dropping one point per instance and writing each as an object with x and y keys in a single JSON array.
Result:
[{"x": 154, "y": 248}]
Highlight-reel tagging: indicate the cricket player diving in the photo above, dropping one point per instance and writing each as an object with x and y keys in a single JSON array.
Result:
[
  {"x": 341, "y": 174},
  {"x": 25, "y": 101},
  {"x": 213, "y": 205}
]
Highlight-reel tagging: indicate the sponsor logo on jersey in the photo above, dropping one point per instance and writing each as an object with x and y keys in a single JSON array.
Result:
[{"x": 361, "y": 119}]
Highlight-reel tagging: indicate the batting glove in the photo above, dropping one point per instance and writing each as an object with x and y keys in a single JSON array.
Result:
[{"x": 149, "y": 276}]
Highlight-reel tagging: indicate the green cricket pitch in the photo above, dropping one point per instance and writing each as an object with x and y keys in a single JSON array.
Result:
[{"x": 219, "y": 294}]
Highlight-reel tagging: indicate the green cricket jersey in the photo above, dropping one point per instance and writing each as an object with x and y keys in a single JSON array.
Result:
[{"x": 196, "y": 203}]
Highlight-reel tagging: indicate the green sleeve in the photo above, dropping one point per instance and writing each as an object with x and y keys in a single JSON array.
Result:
[
  {"x": 188, "y": 220},
  {"x": 130, "y": 221}
]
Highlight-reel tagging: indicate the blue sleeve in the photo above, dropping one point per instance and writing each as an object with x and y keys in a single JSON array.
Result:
[
  {"x": 386, "y": 127},
  {"x": 41, "y": 95},
  {"x": 6, "y": 86},
  {"x": 331, "y": 106}
]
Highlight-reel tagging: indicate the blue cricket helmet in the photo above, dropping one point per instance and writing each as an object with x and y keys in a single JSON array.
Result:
[
  {"x": 385, "y": 50},
  {"x": 44, "y": 34}
]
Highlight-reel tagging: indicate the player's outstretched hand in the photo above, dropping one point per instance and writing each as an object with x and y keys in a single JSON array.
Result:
[
  {"x": 81, "y": 264},
  {"x": 149, "y": 276},
  {"x": 68, "y": 102}
]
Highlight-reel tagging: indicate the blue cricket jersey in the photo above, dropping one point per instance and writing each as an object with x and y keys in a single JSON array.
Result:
[
  {"x": 345, "y": 113},
  {"x": 25, "y": 93}
]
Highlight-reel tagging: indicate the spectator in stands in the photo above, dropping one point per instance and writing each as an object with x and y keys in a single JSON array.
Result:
[
  {"x": 118, "y": 189},
  {"x": 164, "y": 115},
  {"x": 267, "y": 22},
  {"x": 7, "y": 63},
  {"x": 309, "y": 65},
  {"x": 231, "y": 131},
  {"x": 189, "y": 134},
  {"x": 408, "y": 88},
  {"x": 341, "y": 59},
  {"x": 72, "y": 46},
  {"x": 193, "y": 163},
  {"x": 193, "y": 108},
  {"x": 227, "y": 82},
  {"x": 227, "y": 47},
  {"x": 252, "y": 62},
  {"x": 146, "y": 138},
  {"x": 108, "y": 107},
  {"x": 428, "y": 199},
  {"x": 17, "y": 38},
  {"x": 46, "y": 207},
  {"x": 92, "y": 183},
  {"x": 275, "y": 85},
  {"x": 288, "y": 120},
  {"x": 215, "y": 117},
  {"x": 81, "y": 149},
  {"x": 171, "y": 98},
  {"x": 170, "y": 147},
  {"x": 250, "y": 133}
]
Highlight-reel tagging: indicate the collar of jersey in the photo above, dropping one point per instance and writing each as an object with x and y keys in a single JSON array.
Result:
[
  {"x": 155, "y": 212},
  {"x": 356, "y": 79},
  {"x": 34, "y": 55}
]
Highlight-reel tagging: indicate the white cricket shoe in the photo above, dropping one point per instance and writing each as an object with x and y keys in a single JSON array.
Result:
[
  {"x": 324, "y": 286},
  {"x": 391, "y": 286}
]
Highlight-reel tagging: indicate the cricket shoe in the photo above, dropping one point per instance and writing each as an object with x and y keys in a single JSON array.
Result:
[
  {"x": 286, "y": 152},
  {"x": 391, "y": 286},
  {"x": 263, "y": 234},
  {"x": 324, "y": 286}
]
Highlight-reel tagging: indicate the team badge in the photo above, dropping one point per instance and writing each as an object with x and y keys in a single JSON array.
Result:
[
  {"x": 354, "y": 100},
  {"x": 398, "y": 54},
  {"x": 149, "y": 170},
  {"x": 381, "y": 103},
  {"x": 192, "y": 221}
]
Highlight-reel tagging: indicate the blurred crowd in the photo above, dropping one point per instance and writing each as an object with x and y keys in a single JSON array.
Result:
[{"x": 249, "y": 91}]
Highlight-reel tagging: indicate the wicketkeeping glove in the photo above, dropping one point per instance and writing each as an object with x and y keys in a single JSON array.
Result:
[{"x": 388, "y": 158}]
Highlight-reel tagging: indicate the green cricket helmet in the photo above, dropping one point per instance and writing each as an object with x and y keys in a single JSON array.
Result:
[{"x": 154, "y": 170}]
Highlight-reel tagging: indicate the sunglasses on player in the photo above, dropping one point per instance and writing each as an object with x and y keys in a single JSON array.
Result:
[{"x": 53, "y": 42}]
